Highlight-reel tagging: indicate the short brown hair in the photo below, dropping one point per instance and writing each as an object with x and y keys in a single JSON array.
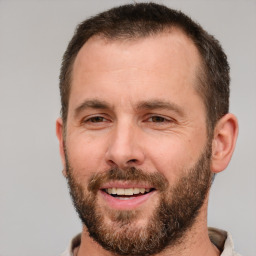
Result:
[{"x": 145, "y": 19}]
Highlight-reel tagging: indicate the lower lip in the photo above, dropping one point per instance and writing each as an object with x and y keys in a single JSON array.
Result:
[{"x": 128, "y": 204}]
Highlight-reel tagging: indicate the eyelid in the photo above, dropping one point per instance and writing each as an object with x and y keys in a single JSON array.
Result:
[
  {"x": 90, "y": 117},
  {"x": 167, "y": 119}
]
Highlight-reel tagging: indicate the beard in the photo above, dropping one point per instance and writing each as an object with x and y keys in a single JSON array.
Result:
[{"x": 175, "y": 214}]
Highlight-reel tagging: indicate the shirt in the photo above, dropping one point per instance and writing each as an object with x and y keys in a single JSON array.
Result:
[{"x": 220, "y": 238}]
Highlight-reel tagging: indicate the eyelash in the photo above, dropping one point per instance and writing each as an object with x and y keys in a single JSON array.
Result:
[
  {"x": 152, "y": 120},
  {"x": 93, "y": 118},
  {"x": 163, "y": 119},
  {"x": 90, "y": 119}
]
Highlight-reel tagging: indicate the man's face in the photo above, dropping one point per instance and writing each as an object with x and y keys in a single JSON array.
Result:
[{"x": 136, "y": 146}]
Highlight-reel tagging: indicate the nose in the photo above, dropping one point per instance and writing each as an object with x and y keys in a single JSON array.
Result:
[{"x": 125, "y": 147}]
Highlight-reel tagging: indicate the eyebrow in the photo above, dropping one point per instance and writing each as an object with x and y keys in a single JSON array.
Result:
[
  {"x": 92, "y": 104},
  {"x": 159, "y": 104},
  {"x": 144, "y": 105}
]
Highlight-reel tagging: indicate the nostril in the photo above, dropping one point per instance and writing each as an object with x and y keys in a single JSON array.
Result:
[
  {"x": 112, "y": 163},
  {"x": 132, "y": 161}
]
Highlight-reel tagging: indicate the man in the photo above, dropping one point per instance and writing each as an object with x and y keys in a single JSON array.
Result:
[{"x": 144, "y": 129}]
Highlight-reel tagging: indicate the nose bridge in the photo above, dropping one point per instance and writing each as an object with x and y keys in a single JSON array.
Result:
[{"x": 124, "y": 148}]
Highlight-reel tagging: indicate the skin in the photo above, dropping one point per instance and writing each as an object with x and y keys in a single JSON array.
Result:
[{"x": 123, "y": 75}]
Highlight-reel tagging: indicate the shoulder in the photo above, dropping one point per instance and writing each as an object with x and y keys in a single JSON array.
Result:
[
  {"x": 223, "y": 241},
  {"x": 74, "y": 243}
]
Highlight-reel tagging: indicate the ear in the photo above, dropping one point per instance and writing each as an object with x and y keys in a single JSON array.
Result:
[
  {"x": 59, "y": 133},
  {"x": 224, "y": 140}
]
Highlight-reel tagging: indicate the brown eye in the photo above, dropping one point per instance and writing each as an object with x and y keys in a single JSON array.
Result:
[
  {"x": 157, "y": 119},
  {"x": 96, "y": 122},
  {"x": 96, "y": 119}
]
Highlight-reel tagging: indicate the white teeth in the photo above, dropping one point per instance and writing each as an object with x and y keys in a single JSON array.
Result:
[
  {"x": 120, "y": 191},
  {"x": 127, "y": 191},
  {"x": 136, "y": 191},
  {"x": 142, "y": 190}
]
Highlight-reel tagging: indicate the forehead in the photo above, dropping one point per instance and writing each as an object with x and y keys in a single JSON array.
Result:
[
  {"x": 157, "y": 63},
  {"x": 167, "y": 45}
]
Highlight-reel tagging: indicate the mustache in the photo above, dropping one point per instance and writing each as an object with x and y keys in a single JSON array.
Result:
[{"x": 155, "y": 180}]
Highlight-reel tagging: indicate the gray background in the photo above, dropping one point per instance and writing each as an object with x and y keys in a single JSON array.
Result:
[{"x": 36, "y": 216}]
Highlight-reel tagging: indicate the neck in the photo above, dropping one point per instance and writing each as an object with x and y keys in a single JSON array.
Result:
[{"x": 195, "y": 242}]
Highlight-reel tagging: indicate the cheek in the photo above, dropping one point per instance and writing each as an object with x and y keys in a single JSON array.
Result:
[
  {"x": 85, "y": 153},
  {"x": 169, "y": 159},
  {"x": 173, "y": 155}
]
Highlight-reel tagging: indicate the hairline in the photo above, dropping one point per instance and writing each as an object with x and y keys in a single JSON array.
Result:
[{"x": 200, "y": 76}]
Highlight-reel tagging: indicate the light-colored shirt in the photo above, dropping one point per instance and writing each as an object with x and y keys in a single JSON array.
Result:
[{"x": 220, "y": 238}]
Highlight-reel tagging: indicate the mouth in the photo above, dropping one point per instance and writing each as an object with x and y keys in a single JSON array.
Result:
[
  {"x": 126, "y": 198},
  {"x": 127, "y": 193}
]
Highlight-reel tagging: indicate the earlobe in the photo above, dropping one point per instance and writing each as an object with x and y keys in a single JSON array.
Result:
[
  {"x": 59, "y": 133},
  {"x": 223, "y": 144}
]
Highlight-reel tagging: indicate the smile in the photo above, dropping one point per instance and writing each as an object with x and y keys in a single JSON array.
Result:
[
  {"x": 119, "y": 192},
  {"x": 126, "y": 198}
]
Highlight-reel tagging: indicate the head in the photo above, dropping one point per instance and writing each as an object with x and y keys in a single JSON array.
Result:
[
  {"x": 144, "y": 126},
  {"x": 131, "y": 22}
]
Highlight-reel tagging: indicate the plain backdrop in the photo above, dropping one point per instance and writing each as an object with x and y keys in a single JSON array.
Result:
[{"x": 36, "y": 213}]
